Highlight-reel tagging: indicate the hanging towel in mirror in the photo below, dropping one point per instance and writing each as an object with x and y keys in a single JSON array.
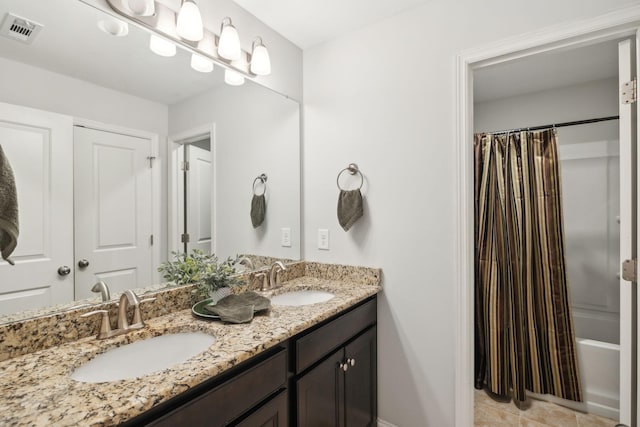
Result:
[
  {"x": 349, "y": 208},
  {"x": 8, "y": 209},
  {"x": 258, "y": 210}
]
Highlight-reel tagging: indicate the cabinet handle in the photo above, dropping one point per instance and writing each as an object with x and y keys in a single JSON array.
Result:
[
  {"x": 351, "y": 362},
  {"x": 343, "y": 366}
]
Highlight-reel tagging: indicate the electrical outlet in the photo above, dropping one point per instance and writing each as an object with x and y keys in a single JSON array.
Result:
[
  {"x": 323, "y": 239},
  {"x": 285, "y": 237}
]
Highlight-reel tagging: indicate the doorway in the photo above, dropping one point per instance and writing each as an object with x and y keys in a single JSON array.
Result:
[{"x": 468, "y": 64}]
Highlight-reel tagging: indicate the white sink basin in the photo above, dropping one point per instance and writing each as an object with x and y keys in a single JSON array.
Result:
[
  {"x": 297, "y": 298},
  {"x": 143, "y": 357}
]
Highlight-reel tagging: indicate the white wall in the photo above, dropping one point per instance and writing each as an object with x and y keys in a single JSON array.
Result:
[
  {"x": 384, "y": 97},
  {"x": 257, "y": 131},
  {"x": 34, "y": 87}
]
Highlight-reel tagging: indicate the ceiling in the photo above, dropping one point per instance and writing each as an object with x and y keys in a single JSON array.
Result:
[
  {"x": 546, "y": 71},
  {"x": 307, "y": 23},
  {"x": 71, "y": 43}
]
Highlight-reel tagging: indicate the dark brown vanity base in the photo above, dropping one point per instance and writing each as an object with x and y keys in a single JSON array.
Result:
[{"x": 323, "y": 376}]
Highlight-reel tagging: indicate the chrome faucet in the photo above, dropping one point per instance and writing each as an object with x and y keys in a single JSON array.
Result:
[
  {"x": 128, "y": 298},
  {"x": 274, "y": 274},
  {"x": 102, "y": 287}
]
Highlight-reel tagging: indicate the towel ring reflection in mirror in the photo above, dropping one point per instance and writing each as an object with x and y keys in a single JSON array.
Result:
[
  {"x": 263, "y": 179},
  {"x": 352, "y": 169}
]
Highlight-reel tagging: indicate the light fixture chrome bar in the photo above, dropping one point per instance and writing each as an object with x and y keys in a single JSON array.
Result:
[{"x": 163, "y": 23}]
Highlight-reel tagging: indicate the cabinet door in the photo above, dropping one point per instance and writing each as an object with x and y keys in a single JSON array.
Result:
[
  {"x": 360, "y": 381},
  {"x": 319, "y": 394},
  {"x": 274, "y": 413}
]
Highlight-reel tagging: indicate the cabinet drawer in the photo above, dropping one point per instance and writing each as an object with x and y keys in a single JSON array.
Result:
[
  {"x": 274, "y": 413},
  {"x": 322, "y": 341},
  {"x": 232, "y": 398}
]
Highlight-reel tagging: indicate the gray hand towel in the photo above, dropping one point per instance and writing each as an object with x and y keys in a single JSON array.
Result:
[
  {"x": 258, "y": 210},
  {"x": 9, "y": 226},
  {"x": 349, "y": 208}
]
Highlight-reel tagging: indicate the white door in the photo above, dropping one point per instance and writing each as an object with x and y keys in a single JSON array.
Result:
[
  {"x": 199, "y": 198},
  {"x": 628, "y": 235},
  {"x": 112, "y": 205},
  {"x": 38, "y": 145}
]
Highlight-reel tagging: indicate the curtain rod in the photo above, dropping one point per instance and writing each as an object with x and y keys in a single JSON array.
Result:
[{"x": 559, "y": 125}]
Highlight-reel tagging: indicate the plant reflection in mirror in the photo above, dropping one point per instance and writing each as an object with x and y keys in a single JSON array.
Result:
[{"x": 203, "y": 270}]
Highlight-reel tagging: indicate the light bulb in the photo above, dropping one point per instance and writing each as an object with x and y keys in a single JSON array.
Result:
[
  {"x": 233, "y": 78},
  {"x": 229, "y": 43},
  {"x": 189, "y": 25},
  {"x": 161, "y": 46},
  {"x": 114, "y": 27},
  {"x": 260, "y": 61},
  {"x": 142, "y": 7},
  {"x": 200, "y": 63}
]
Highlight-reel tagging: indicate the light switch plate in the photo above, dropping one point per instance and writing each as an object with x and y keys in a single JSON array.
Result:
[
  {"x": 285, "y": 237},
  {"x": 323, "y": 239}
]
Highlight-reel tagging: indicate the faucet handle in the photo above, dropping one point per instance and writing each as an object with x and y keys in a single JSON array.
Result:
[
  {"x": 265, "y": 279},
  {"x": 105, "y": 324},
  {"x": 137, "y": 315}
]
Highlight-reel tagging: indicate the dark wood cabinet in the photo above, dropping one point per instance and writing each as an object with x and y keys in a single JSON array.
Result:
[
  {"x": 339, "y": 389},
  {"x": 318, "y": 394},
  {"x": 360, "y": 385},
  {"x": 323, "y": 377},
  {"x": 274, "y": 413}
]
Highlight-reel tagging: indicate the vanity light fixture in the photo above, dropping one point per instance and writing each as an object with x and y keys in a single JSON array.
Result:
[
  {"x": 142, "y": 7},
  {"x": 229, "y": 43},
  {"x": 161, "y": 47},
  {"x": 114, "y": 27},
  {"x": 233, "y": 78},
  {"x": 201, "y": 64},
  {"x": 189, "y": 22},
  {"x": 260, "y": 61}
]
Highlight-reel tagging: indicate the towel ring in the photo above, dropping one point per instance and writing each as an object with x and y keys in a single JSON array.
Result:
[
  {"x": 352, "y": 169},
  {"x": 263, "y": 179}
]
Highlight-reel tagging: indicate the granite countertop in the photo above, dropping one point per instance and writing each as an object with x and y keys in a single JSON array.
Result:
[{"x": 36, "y": 388}]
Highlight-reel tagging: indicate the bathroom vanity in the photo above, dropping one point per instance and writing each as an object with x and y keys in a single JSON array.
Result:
[{"x": 301, "y": 365}]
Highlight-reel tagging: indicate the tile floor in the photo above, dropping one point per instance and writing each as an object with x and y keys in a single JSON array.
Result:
[{"x": 492, "y": 413}]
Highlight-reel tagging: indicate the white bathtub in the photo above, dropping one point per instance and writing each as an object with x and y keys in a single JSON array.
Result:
[{"x": 600, "y": 372}]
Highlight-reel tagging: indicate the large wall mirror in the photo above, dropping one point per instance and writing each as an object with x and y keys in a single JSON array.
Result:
[{"x": 98, "y": 130}]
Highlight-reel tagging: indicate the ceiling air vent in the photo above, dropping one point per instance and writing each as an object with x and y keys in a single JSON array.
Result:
[{"x": 20, "y": 29}]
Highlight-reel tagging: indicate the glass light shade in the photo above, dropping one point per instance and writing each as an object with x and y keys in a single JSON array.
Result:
[
  {"x": 114, "y": 27},
  {"x": 229, "y": 43},
  {"x": 233, "y": 78},
  {"x": 260, "y": 61},
  {"x": 189, "y": 25},
  {"x": 161, "y": 46},
  {"x": 200, "y": 63},
  {"x": 142, "y": 7}
]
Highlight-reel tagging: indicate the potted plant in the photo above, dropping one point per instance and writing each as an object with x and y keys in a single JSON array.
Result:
[
  {"x": 219, "y": 279},
  {"x": 187, "y": 269},
  {"x": 211, "y": 278}
]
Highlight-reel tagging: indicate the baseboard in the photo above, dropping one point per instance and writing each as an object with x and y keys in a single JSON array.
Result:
[{"x": 383, "y": 423}]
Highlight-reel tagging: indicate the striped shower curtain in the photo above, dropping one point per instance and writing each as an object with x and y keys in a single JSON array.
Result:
[{"x": 523, "y": 324}]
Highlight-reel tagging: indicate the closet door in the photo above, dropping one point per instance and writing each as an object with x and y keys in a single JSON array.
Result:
[
  {"x": 112, "y": 198},
  {"x": 199, "y": 193},
  {"x": 628, "y": 234},
  {"x": 39, "y": 147}
]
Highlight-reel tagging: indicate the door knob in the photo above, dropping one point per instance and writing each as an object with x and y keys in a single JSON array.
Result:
[
  {"x": 351, "y": 362},
  {"x": 83, "y": 263},
  {"x": 343, "y": 366},
  {"x": 64, "y": 270}
]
